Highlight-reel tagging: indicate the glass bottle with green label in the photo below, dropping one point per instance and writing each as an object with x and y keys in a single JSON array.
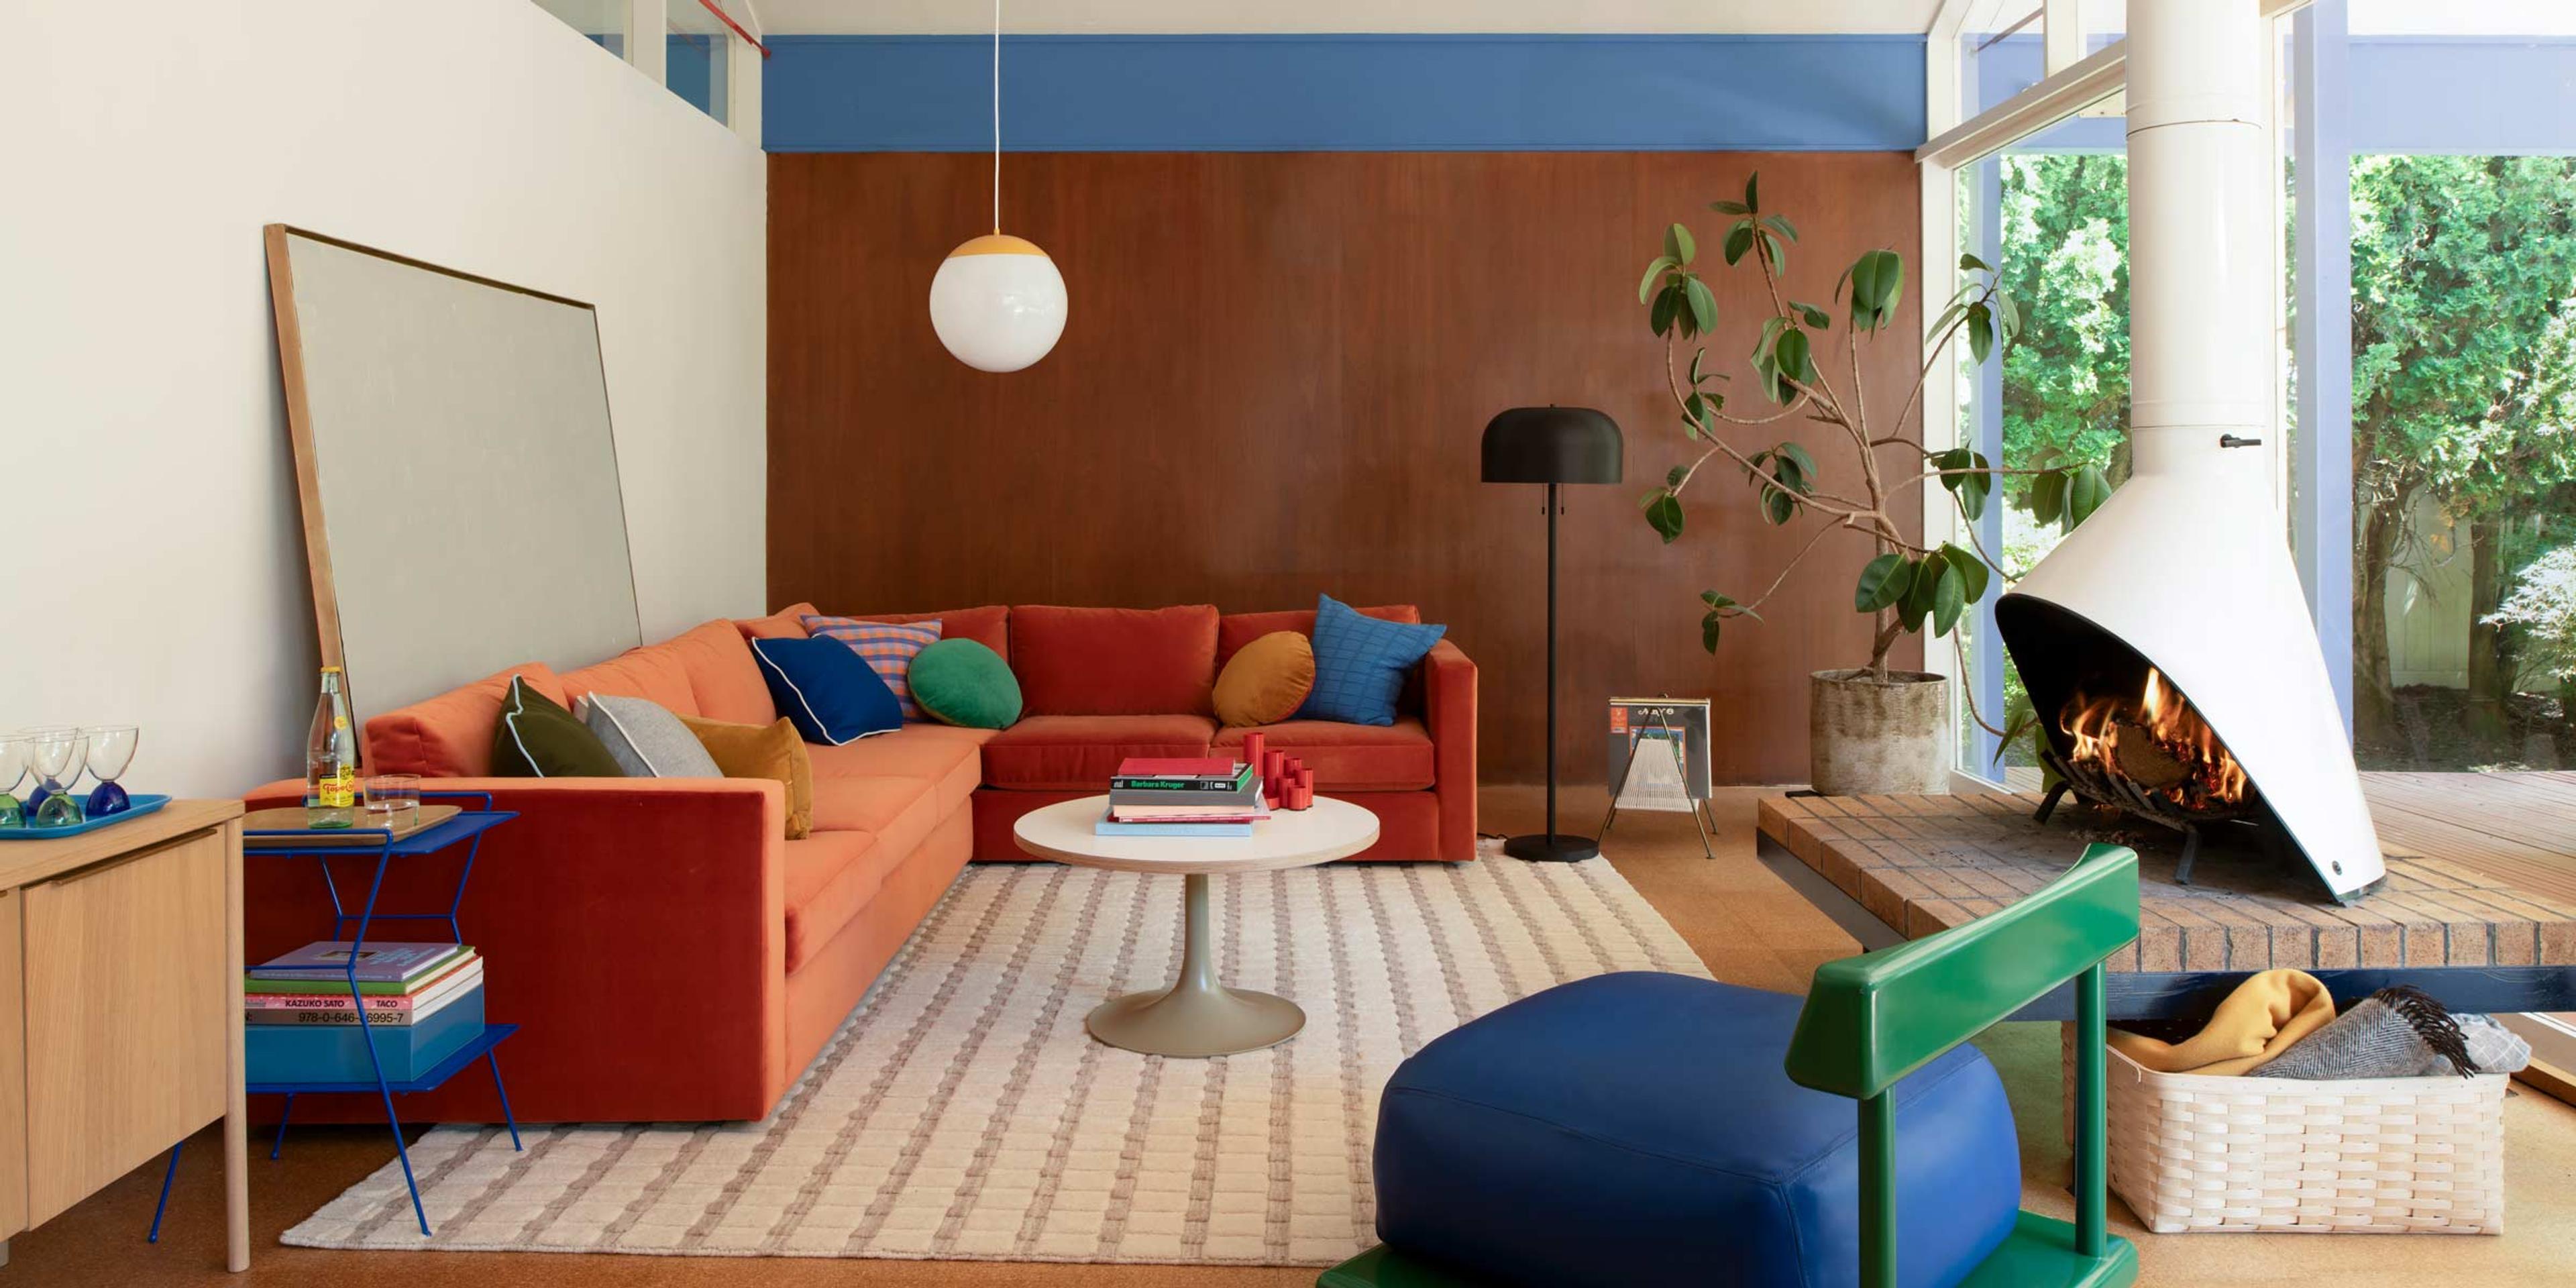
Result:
[{"x": 331, "y": 759}]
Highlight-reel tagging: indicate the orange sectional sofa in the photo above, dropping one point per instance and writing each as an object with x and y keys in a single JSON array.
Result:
[{"x": 669, "y": 956}]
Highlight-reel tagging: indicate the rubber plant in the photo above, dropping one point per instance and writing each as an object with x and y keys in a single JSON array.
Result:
[{"x": 1906, "y": 585}]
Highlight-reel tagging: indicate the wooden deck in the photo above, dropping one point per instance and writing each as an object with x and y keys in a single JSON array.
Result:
[
  {"x": 2518, "y": 828},
  {"x": 2481, "y": 874}
]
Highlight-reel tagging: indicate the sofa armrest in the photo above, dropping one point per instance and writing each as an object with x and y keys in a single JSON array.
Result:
[
  {"x": 1449, "y": 709},
  {"x": 634, "y": 928}
]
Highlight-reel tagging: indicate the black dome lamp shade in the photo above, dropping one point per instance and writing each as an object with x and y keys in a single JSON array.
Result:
[{"x": 1553, "y": 446}]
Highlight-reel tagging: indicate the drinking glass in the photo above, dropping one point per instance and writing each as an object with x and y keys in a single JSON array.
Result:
[
  {"x": 393, "y": 801},
  {"x": 56, "y": 752},
  {"x": 13, "y": 770},
  {"x": 111, "y": 749}
]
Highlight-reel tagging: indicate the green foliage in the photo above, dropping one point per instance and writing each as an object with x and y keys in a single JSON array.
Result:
[
  {"x": 1920, "y": 588},
  {"x": 2066, "y": 379}
]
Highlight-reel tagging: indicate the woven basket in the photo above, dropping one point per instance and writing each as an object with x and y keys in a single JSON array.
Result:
[{"x": 2385, "y": 1155}]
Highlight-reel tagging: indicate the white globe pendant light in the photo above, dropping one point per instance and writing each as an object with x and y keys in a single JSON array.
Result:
[{"x": 998, "y": 302}]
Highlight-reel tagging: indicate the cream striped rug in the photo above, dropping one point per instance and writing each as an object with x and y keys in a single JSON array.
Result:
[{"x": 963, "y": 1112}]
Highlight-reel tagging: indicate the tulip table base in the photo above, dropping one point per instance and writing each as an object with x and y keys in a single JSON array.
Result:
[{"x": 1196, "y": 1016}]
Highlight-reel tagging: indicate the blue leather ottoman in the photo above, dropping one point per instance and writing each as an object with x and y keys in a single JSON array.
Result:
[{"x": 1637, "y": 1130}]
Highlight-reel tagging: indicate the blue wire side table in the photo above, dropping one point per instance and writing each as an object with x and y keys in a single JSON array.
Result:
[{"x": 466, "y": 827}]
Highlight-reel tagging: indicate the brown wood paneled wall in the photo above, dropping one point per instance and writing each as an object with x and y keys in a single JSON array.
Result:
[{"x": 1274, "y": 379}]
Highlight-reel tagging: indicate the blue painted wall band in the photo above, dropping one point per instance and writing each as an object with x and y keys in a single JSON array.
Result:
[{"x": 1346, "y": 93}]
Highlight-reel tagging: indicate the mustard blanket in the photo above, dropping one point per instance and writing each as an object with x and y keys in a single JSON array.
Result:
[{"x": 2261, "y": 1019}]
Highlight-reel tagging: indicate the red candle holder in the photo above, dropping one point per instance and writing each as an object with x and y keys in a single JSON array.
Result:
[
  {"x": 1254, "y": 746},
  {"x": 1301, "y": 793}
]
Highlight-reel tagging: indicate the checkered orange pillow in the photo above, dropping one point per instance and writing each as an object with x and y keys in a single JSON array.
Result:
[{"x": 887, "y": 647}]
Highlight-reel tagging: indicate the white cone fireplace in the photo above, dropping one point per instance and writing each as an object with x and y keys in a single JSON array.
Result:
[{"x": 2168, "y": 655}]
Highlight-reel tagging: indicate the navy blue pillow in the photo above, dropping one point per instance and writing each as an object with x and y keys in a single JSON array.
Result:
[
  {"x": 1361, "y": 663},
  {"x": 829, "y": 691}
]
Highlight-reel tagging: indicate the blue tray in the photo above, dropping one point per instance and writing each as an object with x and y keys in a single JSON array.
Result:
[{"x": 144, "y": 803}]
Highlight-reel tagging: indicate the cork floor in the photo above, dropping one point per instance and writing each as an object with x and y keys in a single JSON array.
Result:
[{"x": 1742, "y": 921}]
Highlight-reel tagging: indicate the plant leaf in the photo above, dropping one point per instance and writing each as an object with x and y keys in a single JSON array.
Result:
[
  {"x": 1974, "y": 576},
  {"x": 1703, "y": 305},
  {"x": 1710, "y": 624},
  {"x": 1806, "y": 464},
  {"x": 1981, "y": 332},
  {"x": 1971, "y": 262},
  {"x": 1646, "y": 288},
  {"x": 1664, "y": 514},
  {"x": 2048, "y": 496},
  {"x": 1674, "y": 476},
  {"x": 1729, "y": 207},
  {"x": 1667, "y": 304},
  {"x": 1921, "y": 594},
  {"x": 1738, "y": 240},
  {"x": 1882, "y": 583},
  {"x": 1752, "y": 190},
  {"x": 1790, "y": 350},
  {"x": 2086, "y": 490},
  {"x": 1781, "y": 222},
  {"x": 1678, "y": 244},
  {"x": 1815, "y": 317},
  {"x": 1949, "y": 598}
]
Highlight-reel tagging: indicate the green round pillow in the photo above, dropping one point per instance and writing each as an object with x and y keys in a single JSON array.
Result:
[{"x": 963, "y": 683}]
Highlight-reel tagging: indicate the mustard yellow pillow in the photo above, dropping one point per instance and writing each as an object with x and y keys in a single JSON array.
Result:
[
  {"x": 1267, "y": 681},
  {"x": 773, "y": 751}
]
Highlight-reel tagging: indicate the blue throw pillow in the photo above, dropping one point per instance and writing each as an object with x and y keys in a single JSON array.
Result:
[
  {"x": 1361, "y": 662},
  {"x": 831, "y": 693}
]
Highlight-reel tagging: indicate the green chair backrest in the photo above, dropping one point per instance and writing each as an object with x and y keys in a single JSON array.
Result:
[{"x": 1871, "y": 1020}]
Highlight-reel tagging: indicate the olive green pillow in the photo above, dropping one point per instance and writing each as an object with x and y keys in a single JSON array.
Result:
[
  {"x": 963, "y": 683},
  {"x": 538, "y": 739}
]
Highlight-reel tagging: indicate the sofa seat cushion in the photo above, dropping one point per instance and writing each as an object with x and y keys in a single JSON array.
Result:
[
  {"x": 722, "y": 674},
  {"x": 1080, "y": 753},
  {"x": 1349, "y": 757},
  {"x": 1114, "y": 661},
  {"x": 914, "y": 751},
  {"x": 831, "y": 876},
  {"x": 450, "y": 736},
  {"x": 899, "y": 812},
  {"x": 1638, "y": 1128},
  {"x": 657, "y": 673}
]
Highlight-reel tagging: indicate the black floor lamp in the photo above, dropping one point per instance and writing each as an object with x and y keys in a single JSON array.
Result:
[{"x": 1554, "y": 446}]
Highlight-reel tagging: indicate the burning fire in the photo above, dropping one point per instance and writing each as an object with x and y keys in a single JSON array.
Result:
[{"x": 2157, "y": 743}]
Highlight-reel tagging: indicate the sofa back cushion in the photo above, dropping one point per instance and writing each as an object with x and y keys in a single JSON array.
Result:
[
  {"x": 723, "y": 680},
  {"x": 450, "y": 736},
  {"x": 989, "y": 626},
  {"x": 656, "y": 672},
  {"x": 1234, "y": 630},
  {"x": 1114, "y": 661},
  {"x": 786, "y": 624}
]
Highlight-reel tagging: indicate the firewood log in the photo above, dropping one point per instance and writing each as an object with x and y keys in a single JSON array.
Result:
[{"x": 2146, "y": 764}]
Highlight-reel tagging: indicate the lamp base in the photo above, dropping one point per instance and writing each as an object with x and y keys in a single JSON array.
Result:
[{"x": 1552, "y": 848}]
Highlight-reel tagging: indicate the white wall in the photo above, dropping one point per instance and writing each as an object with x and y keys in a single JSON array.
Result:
[{"x": 151, "y": 563}]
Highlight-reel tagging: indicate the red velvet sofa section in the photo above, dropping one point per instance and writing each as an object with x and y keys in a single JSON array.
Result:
[{"x": 669, "y": 956}]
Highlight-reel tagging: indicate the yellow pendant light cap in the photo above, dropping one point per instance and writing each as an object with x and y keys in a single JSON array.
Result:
[{"x": 997, "y": 244}]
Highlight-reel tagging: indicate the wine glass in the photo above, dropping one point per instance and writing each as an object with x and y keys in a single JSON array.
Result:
[
  {"x": 56, "y": 751},
  {"x": 13, "y": 770},
  {"x": 111, "y": 749}
]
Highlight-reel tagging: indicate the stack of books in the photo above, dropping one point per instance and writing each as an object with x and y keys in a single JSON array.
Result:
[
  {"x": 422, "y": 1002},
  {"x": 1183, "y": 796}
]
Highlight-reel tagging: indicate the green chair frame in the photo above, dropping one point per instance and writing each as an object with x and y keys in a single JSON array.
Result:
[{"x": 1873, "y": 1019}]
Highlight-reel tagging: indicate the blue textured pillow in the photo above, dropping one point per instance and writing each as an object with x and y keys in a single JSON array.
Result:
[
  {"x": 1361, "y": 662},
  {"x": 831, "y": 693}
]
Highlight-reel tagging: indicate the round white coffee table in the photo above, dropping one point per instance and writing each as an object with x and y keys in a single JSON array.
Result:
[{"x": 1198, "y": 1015}]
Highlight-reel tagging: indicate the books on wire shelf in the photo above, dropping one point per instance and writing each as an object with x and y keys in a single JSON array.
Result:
[
  {"x": 1182, "y": 797},
  {"x": 421, "y": 1002}
]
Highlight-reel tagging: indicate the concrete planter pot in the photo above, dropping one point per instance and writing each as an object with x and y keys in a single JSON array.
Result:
[{"x": 1865, "y": 738}]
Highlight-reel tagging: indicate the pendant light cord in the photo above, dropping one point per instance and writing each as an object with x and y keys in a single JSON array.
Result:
[{"x": 997, "y": 118}]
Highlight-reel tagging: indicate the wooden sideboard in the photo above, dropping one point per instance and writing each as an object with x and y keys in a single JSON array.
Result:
[{"x": 120, "y": 1008}]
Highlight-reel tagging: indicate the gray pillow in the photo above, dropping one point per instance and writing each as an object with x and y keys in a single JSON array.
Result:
[{"x": 644, "y": 738}]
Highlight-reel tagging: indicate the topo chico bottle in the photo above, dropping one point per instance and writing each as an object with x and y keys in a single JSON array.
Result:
[{"x": 331, "y": 759}]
